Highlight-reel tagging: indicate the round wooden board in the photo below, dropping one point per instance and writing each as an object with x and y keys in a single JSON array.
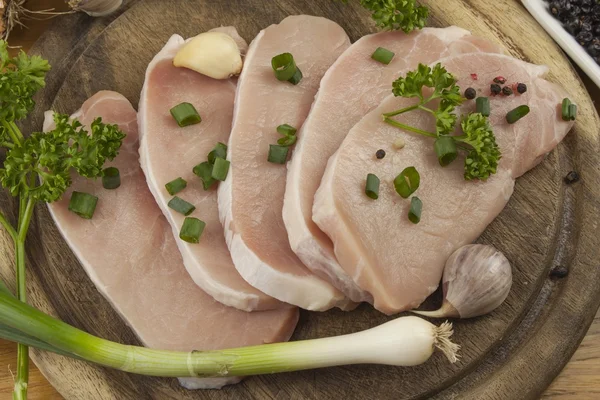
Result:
[{"x": 514, "y": 353}]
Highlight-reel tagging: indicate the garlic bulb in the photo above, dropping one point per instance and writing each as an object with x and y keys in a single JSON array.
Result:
[
  {"x": 96, "y": 8},
  {"x": 477, "y": 279},
  {"x": 214, "y": 54}
]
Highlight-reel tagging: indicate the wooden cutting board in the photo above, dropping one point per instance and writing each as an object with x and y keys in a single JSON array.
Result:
[{"x": 514, "y": 353}]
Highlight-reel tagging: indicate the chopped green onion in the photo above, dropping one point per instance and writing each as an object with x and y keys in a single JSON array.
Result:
[
  {"x": 483, "y": 106},
  {"x": 204, "y": 172},
  {"x": 181, "y": 206},
  {"x": 185, "y": 114},
  {"x": 407, "y": 182},
  {"x": 220, "y": 169},
  {"x": 277, "y": 154},
  {"x": 445, "y": 148},
  {"x": 372, "y": 187},
  {"x": 516, "y": 114},
  {"x": 286, "y": 130},
  {"x": 572, "y": 112},
  {"x": 111, "y": 178},
  {"x": 176, "y": 186},
  {"x": 382, "y": 55},
  {"x": 191, "y": 230},
  {"x": 414, "y": 213},
  {"x": 83, "y": 204},
  {"x": 286, "y": 69},
  {"x": 219, "y": 151},
  {"x": 566, "y": 106},
  {"x": 287, "y": 140}
]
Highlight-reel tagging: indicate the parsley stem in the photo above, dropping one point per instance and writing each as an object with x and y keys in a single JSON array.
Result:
[
  {"x": 401, "y": 111},
  {"x": 11, "y": 132},
  {"x": 16, "y": 131},
  {"x": 11, "y": 231},
  {"x": 7, "y": 145},
  {"x": 20, "y": 388},
  {"x": 408, "y": 128}
]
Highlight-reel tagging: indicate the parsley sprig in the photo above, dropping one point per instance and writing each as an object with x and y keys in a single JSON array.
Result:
[
  {"x": 39, "y": 167},
  {"x": 428, "y": 84},
  {"x": 406, "y": 15}
]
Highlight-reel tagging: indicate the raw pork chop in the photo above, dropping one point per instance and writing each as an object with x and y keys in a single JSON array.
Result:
[
  {"x": 397, "y": 262},
  {"x": 168, "y": 151},
  {"x": 142, "y": 274},
  {"x": 353, "y": 85},
  {"x": 251, "y": 199}
]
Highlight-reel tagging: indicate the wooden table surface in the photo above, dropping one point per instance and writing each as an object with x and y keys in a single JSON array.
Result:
[{"x": 579, "y": 380}]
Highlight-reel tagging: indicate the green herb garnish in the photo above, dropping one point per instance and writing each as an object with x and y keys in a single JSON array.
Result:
[
  {"x": 396, "y": 14},
  {"x": 477, "y": 139},
  {"x": 219, "y": 151},
  {"x": 181, "y": 206},
  {"x": 383, "y": 56},
  {"x": 289, "y": 135},
  {"x": 414, "y": 212},
  {"x": 176, "y": 186},
  {"x": 39, "y": 167},
  {"x": 204, "y": 172},
  {"x": 192, "y": 230},
  {"x": 285, "y": 68},
  {"x": 372, "y": 186},
  {"x": 220, "y": 169},
  {"x": 185, "y": 114},
  {"x": 516, "y": 114},
  {"x": 111, "y": 178},
  {"x": 83, "y": 204},
  {"x": 407, "y": 182}
]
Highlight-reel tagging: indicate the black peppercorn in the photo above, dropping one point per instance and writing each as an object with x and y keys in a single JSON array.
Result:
[
  {"x": 559, "y": 272},
  {"x": 521, "y": 88},
  {"x": 380, "y": 154},
  {"x": 572, "y": 177},
  {"x": 507, "y": 91},
  {"x": 584, "y": 38},
  {"x": 470, "y": 93},
  {"x": 500, "y": 79},
  {"x": 495, "y": 88}
]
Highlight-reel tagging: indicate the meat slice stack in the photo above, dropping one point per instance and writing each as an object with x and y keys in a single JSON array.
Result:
[
  {"x": 399, "y": 264},
  {"x": 354, "y": 85},
  {"x": 251, "y": 199},
  {"x": 168, "y": 151},
  {"x": 130, "y": 254}
]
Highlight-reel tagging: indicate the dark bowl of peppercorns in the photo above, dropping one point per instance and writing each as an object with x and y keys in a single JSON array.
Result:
[{"x": 575, "y": 26}]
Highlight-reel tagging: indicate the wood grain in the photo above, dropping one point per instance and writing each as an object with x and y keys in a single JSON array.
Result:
[{"x": 545, "y": 178}]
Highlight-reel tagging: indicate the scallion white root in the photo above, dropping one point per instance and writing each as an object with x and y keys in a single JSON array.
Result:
[{"x": 405, "y": 341}]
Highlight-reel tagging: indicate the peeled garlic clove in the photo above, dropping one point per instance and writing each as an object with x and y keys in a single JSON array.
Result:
[
  {"x": 477, "y": 279},
  {"x": 96, "y": 8},
  {"x": 214, "y": 54}
]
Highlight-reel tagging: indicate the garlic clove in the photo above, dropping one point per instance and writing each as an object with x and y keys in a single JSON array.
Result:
[
  {"x": 214, "y": 54},
  {"x": 96, "y": 8},
  {"x": 477, "y": 279}
]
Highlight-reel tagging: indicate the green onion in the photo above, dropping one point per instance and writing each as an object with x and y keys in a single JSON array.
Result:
[
  {"x": 445, "y": 148},
  {"x": 191, "y": 230},
  {"x": 286, "y": 69},
  {"x": 407, "y": 182},
  {"x": 382, "y": 55},
  {"x": 516, "y": 114},
  {"x": 176, "y": 186},
  {"x": 483, "y": 106},
  {"x": 219, "y": 151},
  {"x": 185, "y": 114},
  {"x": 220, "y": 169},
  {"x": 572, "y": 112},
  {"x": 83, "y": 204},
  {"x": 414, "y": 213},
  {"x": 277, "y": 154},
  {"x": 111, "y": 178},
  {"x": 181, "y": 206},
  {"x": 372, "y": 187},
  {"x": 287, "y": 140},
  {"x": 286, "y": 130},
  {"x": 204, "y": 172},
  {"x": 425, "y": 338},
  {"x": 566, "y": 106}
]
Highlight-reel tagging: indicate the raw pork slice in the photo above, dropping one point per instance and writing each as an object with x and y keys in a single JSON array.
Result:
[
  {"x": 129, "y": 253},
  {"x": 353, "y": 85},
  {"x": 251, "y": 199},
  {"x": 399, "y": 264},
  {"x": 168, "y": 151}
]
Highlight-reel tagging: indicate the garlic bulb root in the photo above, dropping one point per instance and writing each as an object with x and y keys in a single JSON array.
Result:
[{"x": 96, "y": 8}]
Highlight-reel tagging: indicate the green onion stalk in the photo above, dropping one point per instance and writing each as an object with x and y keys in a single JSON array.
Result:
[{"x": 404, "y": 341}]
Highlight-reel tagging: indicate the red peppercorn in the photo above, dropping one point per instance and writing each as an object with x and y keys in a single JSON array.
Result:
[
  {"x": 507, "y": 91},
  {"x": 500, "y": 80},
  {"x": 474, "y": 77}
]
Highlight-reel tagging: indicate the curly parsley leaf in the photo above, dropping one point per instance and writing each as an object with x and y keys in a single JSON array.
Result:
[
  {"x": 482, "y": 160},
  {"x": 20, "y": 78},
  {"x": 52, "y": 156},
  {"x": 406, "y": 15}
]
